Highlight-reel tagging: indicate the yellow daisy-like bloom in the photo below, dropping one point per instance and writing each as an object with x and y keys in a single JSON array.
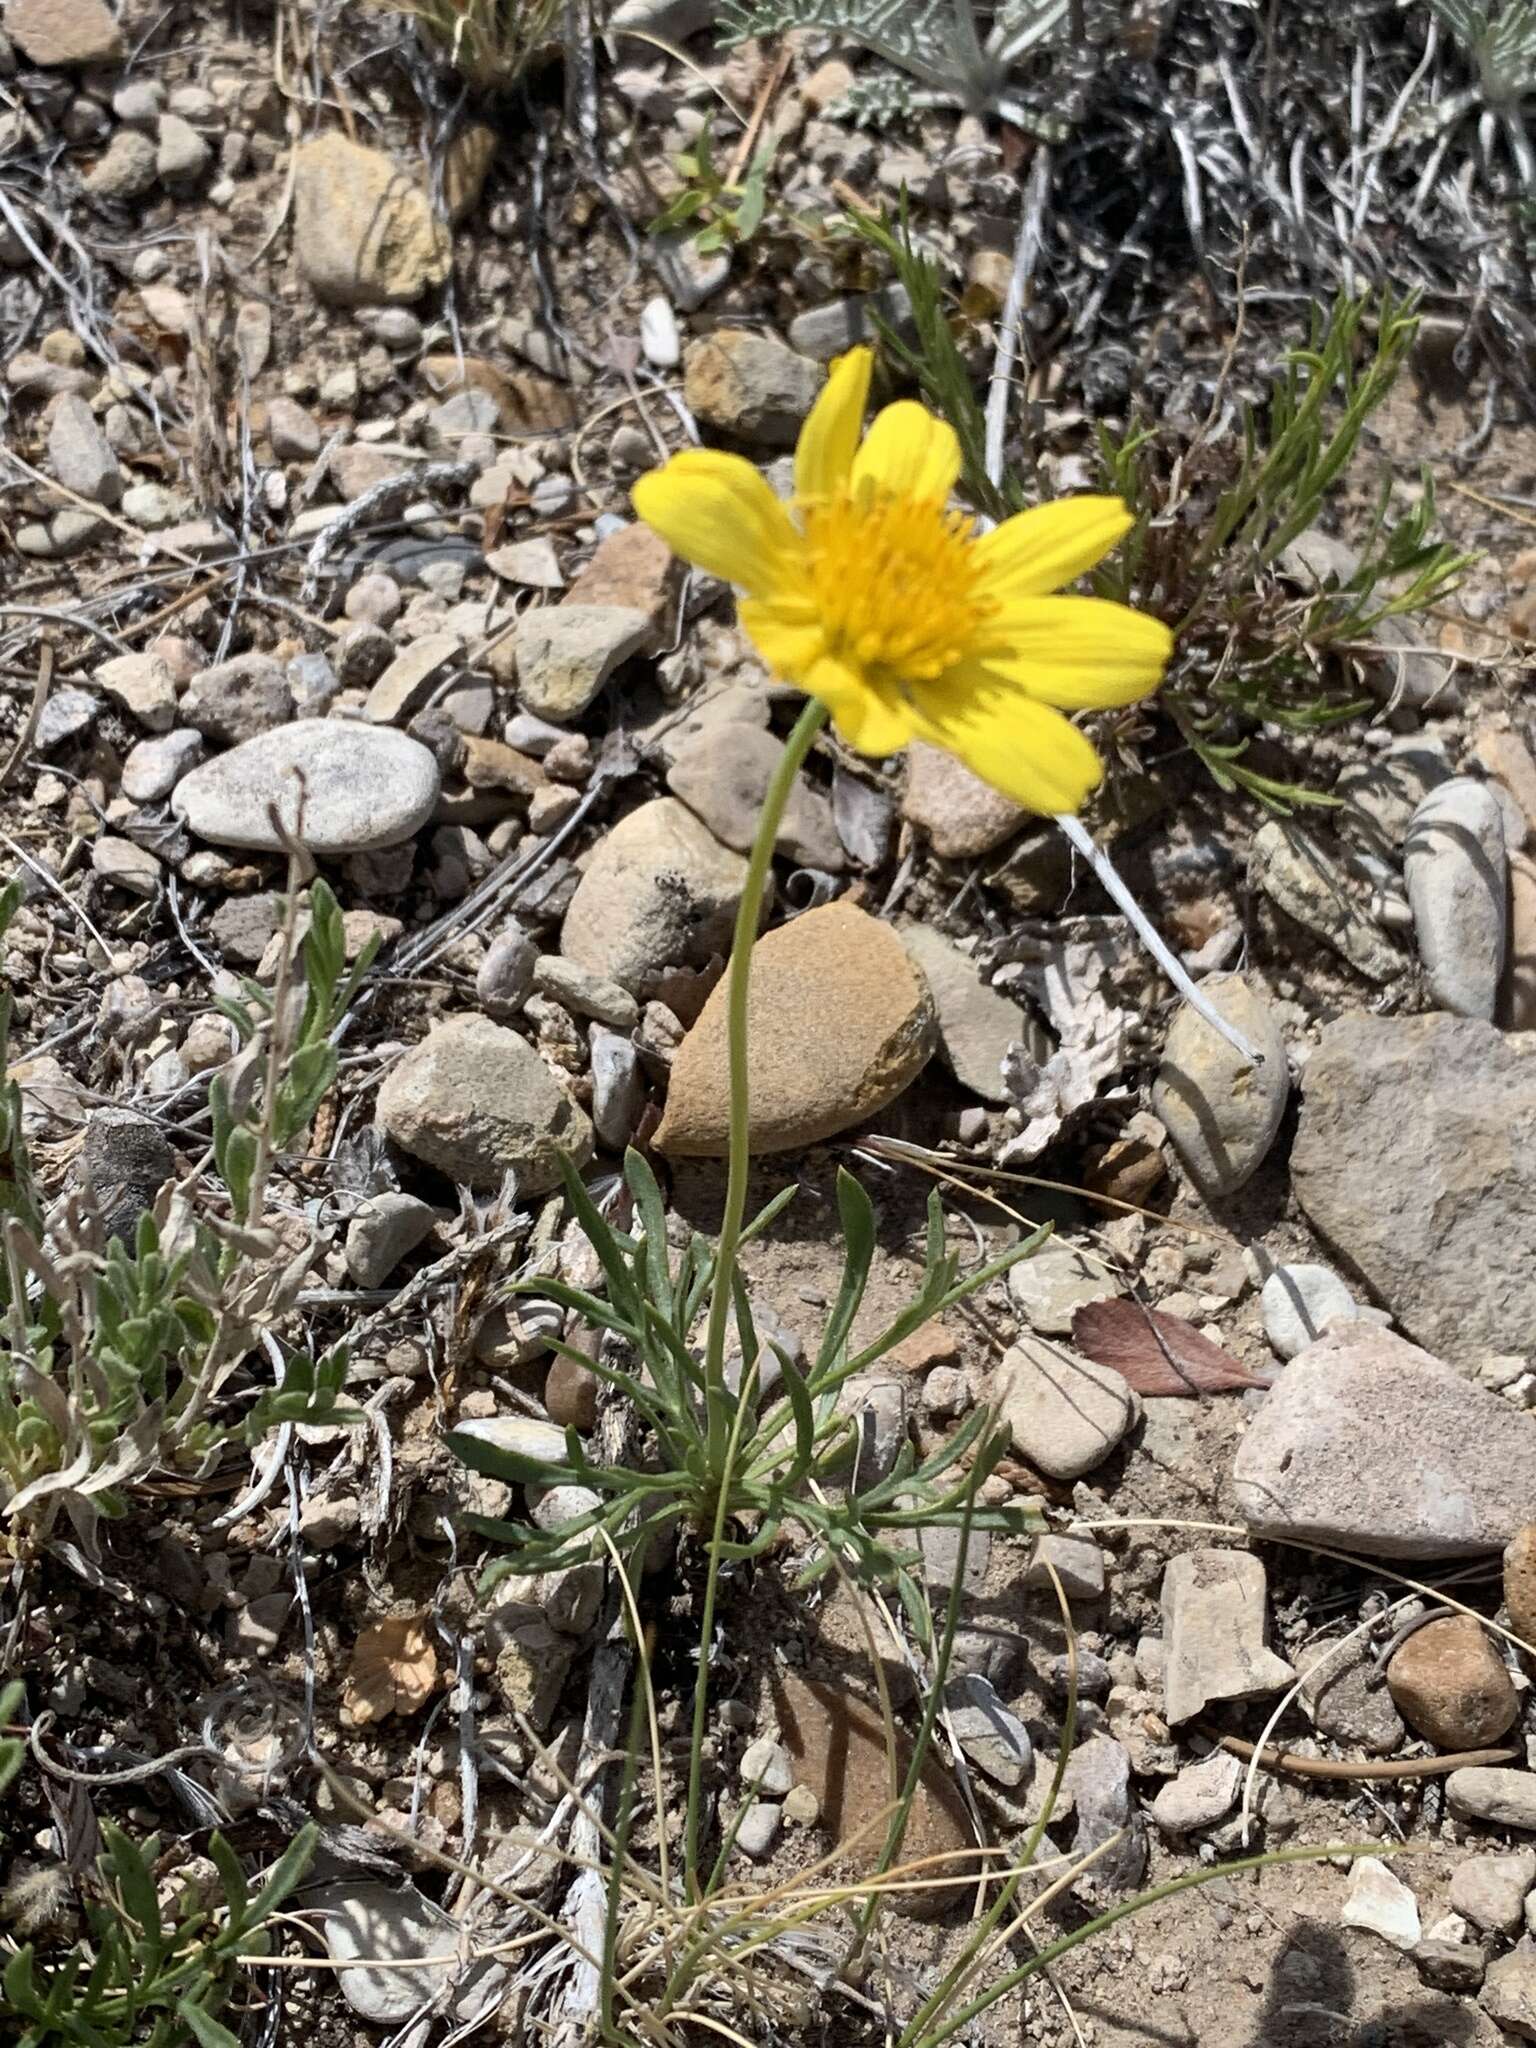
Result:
[{"x": 870, "y": 592}]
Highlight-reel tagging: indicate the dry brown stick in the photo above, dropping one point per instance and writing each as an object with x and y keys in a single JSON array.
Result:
[
  {"x": 1375, "y": 1767},
  {"x": 753, "y": 128},
  {"x": 28, "y": 731}
]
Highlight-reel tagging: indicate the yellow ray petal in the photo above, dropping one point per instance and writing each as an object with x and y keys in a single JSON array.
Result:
[
  {"x": 1078, "y": 653},
  {"x": 788, "y": 636},
  {"x": 873, "y": 721},
  {"x": 1049, "y": 547},
  {"x": 1026, "y": 750},
  {"x": 909, "y": 453},
  {"x": 718, "y": 512},
  {"x": 825, "y": 450}
]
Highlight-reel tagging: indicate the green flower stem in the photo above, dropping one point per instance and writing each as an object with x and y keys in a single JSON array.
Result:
[
  {"x": 724, "y": 1430},
  {"x": 798, "y": 746}
]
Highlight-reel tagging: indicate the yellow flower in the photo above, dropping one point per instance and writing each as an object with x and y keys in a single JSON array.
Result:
[{"x": 870, "y": 592}]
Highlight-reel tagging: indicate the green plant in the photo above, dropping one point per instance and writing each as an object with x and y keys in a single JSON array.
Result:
[
  {"x": 147, "y": 1973},
  {"x": 941, "y": 53},
  {"x": 13, "y": 1750},
  {"x": 932, "y": 358},
  {"x": 1499, "y": 41},
  {"x": 490, "y": 43},
  {"x": 113, "y": 1359},
  {"x": 736, "y": 1475},
  {"x": 720, "y": 210},
  {"x": 1216, "y": 520}
]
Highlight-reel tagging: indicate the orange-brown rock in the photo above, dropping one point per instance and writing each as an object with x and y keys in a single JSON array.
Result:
[
  {"x": 1520, "y": 1582},
  {"x": 1450, "y": 1685},
  {"x": 840, "y": 1022},
  {"x": 633, "y": 567},
  {"x": 838, "y": 1749}
]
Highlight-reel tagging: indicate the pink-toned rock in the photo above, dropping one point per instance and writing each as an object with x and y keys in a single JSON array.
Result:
[
  {"x": 961, "y": 815},
  {"x": 73, "y": 32}
]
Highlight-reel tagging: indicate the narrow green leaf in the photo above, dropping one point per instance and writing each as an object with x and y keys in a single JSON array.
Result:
[
  {"x": 285, "y": 1873},
  {"x": 231, "y": 1871},
  {"x": 19, "y": 1981},
  {"x": 604, "y": 1241},
  {"x": 858, "y": 1220},
  {"x": 798, "y": 1396},
  {"x": 770, "y": 1212},
  {"x": 211, "y": 2033},
  {"x": 652, "y": 1213},
  {"x": 127, "y": 1868}
]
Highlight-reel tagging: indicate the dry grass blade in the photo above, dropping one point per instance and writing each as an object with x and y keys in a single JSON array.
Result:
[{"x": 490, "y": 43}]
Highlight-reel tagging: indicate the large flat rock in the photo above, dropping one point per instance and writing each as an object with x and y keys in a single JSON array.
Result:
[
  {"x": 1367, "y": 1443},
  {"x": 1416, "y": 1160}
]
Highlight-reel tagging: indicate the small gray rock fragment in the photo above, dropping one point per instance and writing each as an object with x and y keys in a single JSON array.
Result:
[
  {"x": 154, "y": 767},
  {"x": 1415, "y": 1159},
  {"x": 125, "y": 170},
  {"x": 1077, "y": 1562},
  {"x": 1508, "y": 1995},
  {"x": 765, "y": 1766},
  {"x": 1099, "y": 1779},
  {"x": 126, "y": 865},
  {"x": 823, "y": 332},
  {"x": 143, "y": 685},
  {"x": 80, "y": 455},
  {"x": 1066, "y": 1413},
  {"x": 1506, "y": 1798},
  {"x": 1291, "y": 867},
  {"x": 1215, "y": 1626},
  {"x": 1341, "y": 1689},
  {"x": 1202, "y": 1794},
  {"x": 381, "y": 1233},
  {"x": 1053, "y": 1283},
  {"x": 618, "y": 1088},
  {"x": 67, "y": 713},
  {"x": 659, "y": 892},
  {"x": 567, "y": 652},
  {"x": 585, "y": 994},
  {"x": 362, "y": 1921},
  {"x": 723, "y": 773},
  {"x": 978, "y": 1024},
  {"x": 1457, "y": 870},
  {"x": 181, "y": 154},
  {"x": 1490, "y": 1890},
  {"x": 476, "y": 1101},
  {"x": 123, "y": 1163},
  {"x": 505, "y": 979},
  {"x": 759, "y": 1829},
  {"x": 1221, "y": 1113},
  {"x": 993, "y": 1739},
  {"x": 238, "y": 700},
  {"x": 1299, "y": 1302}
]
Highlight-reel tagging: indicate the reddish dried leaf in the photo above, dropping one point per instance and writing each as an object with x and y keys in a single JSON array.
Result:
[{"x": 1157, "y": 1353}]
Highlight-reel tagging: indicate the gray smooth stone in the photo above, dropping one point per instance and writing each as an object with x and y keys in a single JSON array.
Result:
[{"x": 363, "y": 787}]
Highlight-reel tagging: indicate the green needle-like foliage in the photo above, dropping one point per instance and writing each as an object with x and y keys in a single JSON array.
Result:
[
  {"x": 793, "y": 1461},
  {"x": 146, "y": 1974},
  {"x": 113, "y": 1358}
]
